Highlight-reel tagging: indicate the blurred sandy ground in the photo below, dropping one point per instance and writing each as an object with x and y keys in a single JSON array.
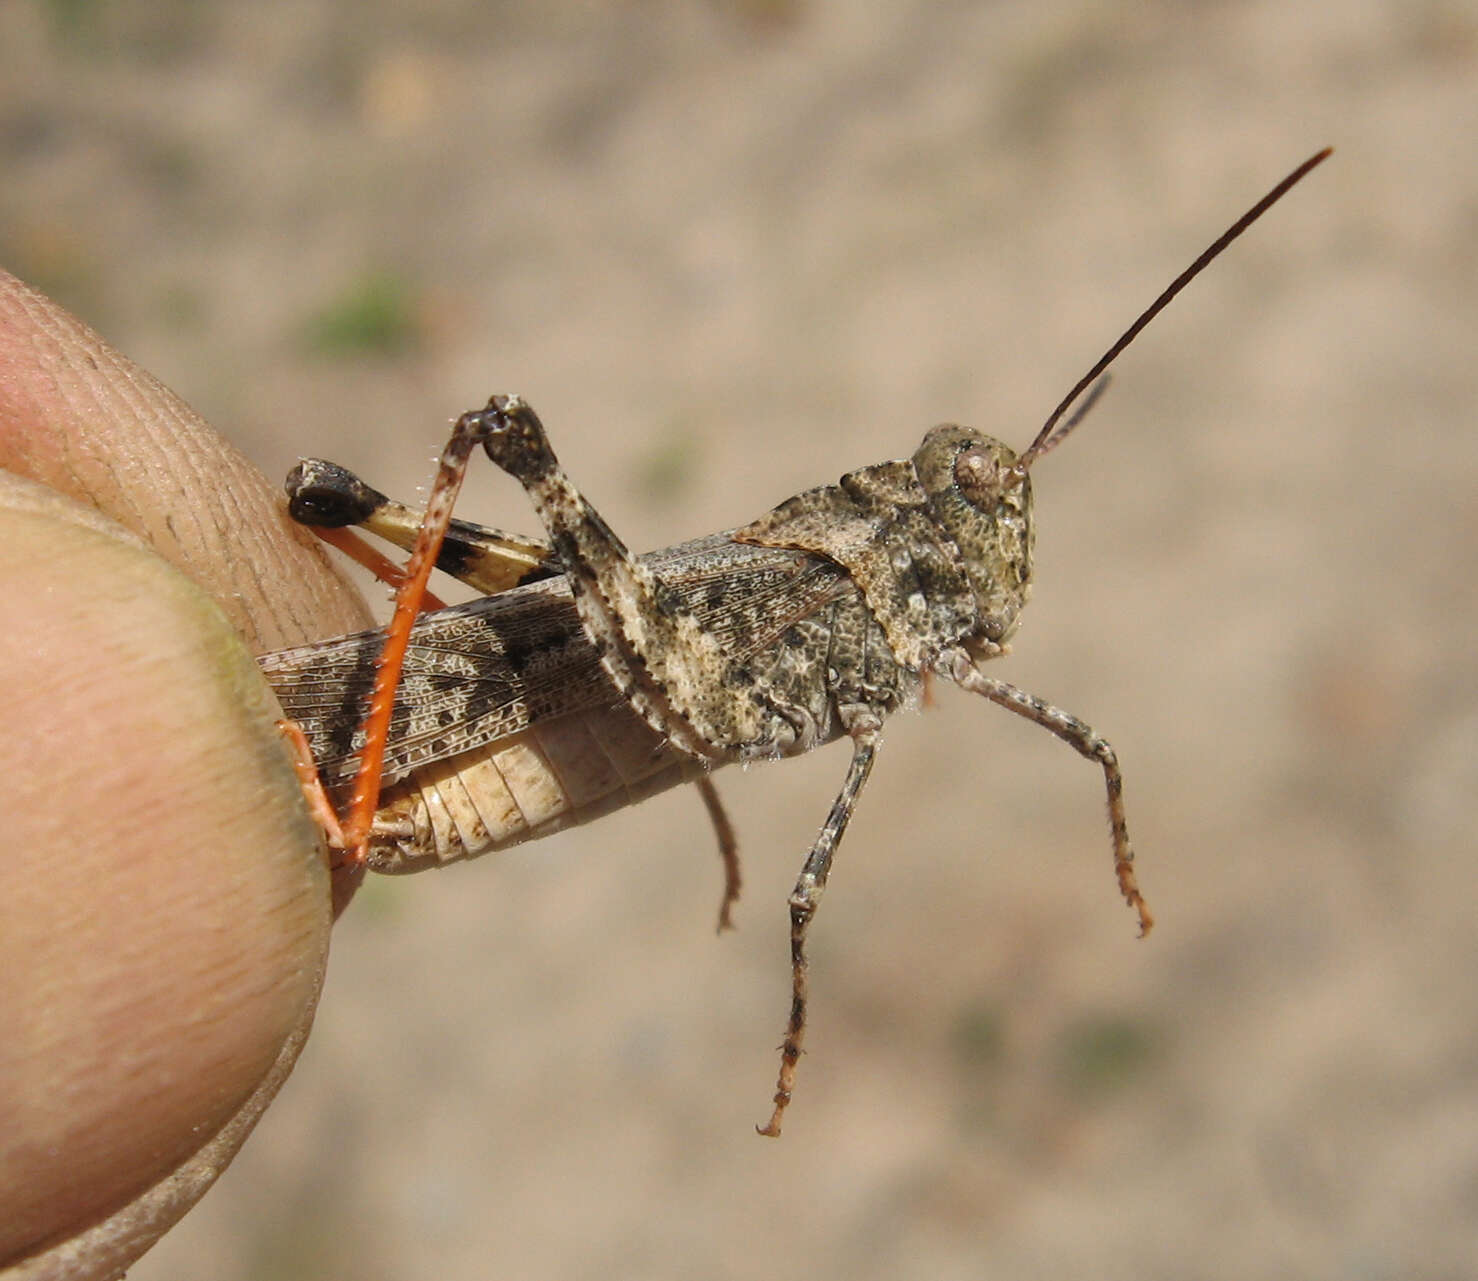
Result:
[{"x": 733, "y": 249}]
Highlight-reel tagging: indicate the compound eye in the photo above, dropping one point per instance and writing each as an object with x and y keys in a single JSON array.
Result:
[{"x": 978, "y": 475}]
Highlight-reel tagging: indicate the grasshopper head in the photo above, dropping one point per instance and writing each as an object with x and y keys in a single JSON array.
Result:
[
  {"x": 979, "y": 491},
  {"x": 981, "y": 496}
]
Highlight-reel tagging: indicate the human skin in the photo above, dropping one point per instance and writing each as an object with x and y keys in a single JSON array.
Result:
[{"x": 166, "y": 900}]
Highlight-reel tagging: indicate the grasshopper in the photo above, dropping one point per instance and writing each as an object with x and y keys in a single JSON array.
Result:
[{"x": 588, "y": 678}]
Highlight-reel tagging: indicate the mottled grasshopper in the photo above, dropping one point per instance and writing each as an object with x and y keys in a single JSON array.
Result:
[{"x": 591, "y": 678}]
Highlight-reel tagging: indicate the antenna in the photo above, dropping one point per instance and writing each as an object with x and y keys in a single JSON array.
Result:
[{"x": 1051, "y": 434}]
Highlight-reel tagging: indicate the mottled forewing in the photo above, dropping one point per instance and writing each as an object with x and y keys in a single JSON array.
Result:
[
  {"x": 479, "y": 672},
  {"x": 473, "y": 674}
]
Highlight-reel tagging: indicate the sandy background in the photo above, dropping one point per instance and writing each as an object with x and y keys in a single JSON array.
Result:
[{"x": 730, "y": 250}]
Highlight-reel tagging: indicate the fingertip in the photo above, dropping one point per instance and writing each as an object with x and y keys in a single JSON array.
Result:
[{"x": 165, "y": 923}]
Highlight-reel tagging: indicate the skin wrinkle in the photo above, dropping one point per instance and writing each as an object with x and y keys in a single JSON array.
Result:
[
  {"x": 199, "y": 538},
  {"x": 74, "y": 449}
]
